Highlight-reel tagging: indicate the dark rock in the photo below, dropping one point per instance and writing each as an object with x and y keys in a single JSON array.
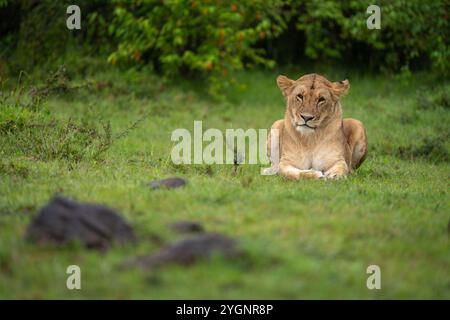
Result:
[
  {"x": 188, "y": 251},
  {"x": 64, "y": 220},
  {"x": 187, "y": 227},
  {"x": 169, "y": 183}
]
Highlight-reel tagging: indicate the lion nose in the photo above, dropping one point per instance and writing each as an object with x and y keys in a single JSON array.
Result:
[{"x": 307, "y": 117}]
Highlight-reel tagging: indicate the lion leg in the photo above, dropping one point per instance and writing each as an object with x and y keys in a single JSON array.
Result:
[
  {"x": 274, "y": 156},
  {"x": 357, "y": 140},
  {"x": 277, "y": 125},
  {"x": 294, "y": 173},
  {"x": 337, "y": 171}
]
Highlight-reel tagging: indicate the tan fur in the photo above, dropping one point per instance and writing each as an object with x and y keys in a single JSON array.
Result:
[{"x": 314, "y": 140}]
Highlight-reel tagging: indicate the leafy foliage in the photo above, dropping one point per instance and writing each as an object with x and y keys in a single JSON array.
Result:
[
  {"x": 410, "y": 30},
  {"x": 195, "y": 37},
  {"x": 211, "y": 39}
]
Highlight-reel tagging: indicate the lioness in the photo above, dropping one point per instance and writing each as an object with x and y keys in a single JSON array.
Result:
[{"x": 314, "y": 140}]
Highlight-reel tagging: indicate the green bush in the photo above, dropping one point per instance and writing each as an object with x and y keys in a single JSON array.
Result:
[
  {"x": 195, "y": 38},
  {"x": 213, "y": 37},
  {"x": 210, "y": 39},
  {"x": 42, "y": 36},
  {"x": 411, "y": 31},
  {"x": 35, "y": 36}
]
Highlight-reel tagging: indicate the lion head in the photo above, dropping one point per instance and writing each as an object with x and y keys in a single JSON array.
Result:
[{"x": 312, "y": 101}]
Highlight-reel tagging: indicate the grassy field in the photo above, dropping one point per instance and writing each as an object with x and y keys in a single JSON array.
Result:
[{"x": 303, "y": 239}]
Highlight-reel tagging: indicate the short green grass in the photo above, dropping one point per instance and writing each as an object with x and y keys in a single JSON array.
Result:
[{"x": 303, "y": 239}]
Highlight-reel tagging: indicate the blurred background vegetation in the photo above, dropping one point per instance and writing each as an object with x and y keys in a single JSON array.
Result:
[{"x": 211, "y": 39}]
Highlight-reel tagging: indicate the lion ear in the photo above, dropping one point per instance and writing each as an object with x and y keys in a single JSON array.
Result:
[
  {"x": 340, "y": 87},
  {"x": 284, "y": 83}
]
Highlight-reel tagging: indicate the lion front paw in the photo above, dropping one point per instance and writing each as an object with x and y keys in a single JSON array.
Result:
[
  {"x": 270, "y": 171},
  {"x": 334, "y": 174},
  {"x": 310, "y": 174}
]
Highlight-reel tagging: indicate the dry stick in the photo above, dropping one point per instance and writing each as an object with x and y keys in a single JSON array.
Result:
[
  {"x": 121, "y": 135},
  {"x": 238, "y": 157}
]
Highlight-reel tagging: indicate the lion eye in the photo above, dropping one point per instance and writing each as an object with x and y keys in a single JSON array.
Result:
[
  {"x": 299, "y": 97},
  {"x": 321, "y": 99}
]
